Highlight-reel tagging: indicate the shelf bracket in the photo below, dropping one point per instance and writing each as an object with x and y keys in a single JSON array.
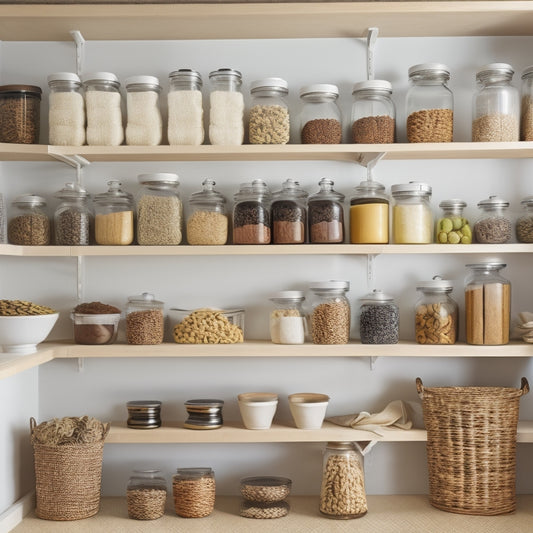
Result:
[
  {"x": 370, "y": 264},
  {"x": 367, "y": 159},
  {"x": 80, "y": 49},
  {"x": 371, "y": 38},
  {"x": 372, "y": 360},
  {"x": 81, "y": 364},
  {"x": 76, "y": 161}
]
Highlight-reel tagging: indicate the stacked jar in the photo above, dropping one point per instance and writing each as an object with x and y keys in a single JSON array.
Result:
[
  {"x": 493, "y": 225},
  {"x": 369, "y": 214},
  {"x": 29, "y": 224},
  {"x": 194, "y": 492},
  {"x": 379, "y": 319},
  {"x": 251, "y": 214},
  {"x": 73, "y": 217},
  {"x": 146, "y": 495},
  {"x": 289, "y": 214},
  {"x": 287, "y": 321},
  {"x": 326, "y": 214},
  {"x": 452, "y": 227},
  {"x": 412, "y": 219},
  {"x": 320, "y": 117},
  {"x": 145, "y": 320},
  {"x": 264, "y": 497},
  {"x": 524, "y": 223}
]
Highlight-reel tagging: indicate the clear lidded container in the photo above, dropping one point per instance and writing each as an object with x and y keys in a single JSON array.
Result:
[
  {"x": 320, "y": 116},
  {"x": 496, "y": 105},
  {"x": 326, "y": 214},
  {"x": 252, "y": 214},
  {"x": 146, "y": 494},
  {"x": 429, "y": 104},
  {"x": 287, "y": 319},
  {"x": 29, "y": 224},
  {"x": 452, "y": 227},
  {"x": 20, "y": 114},
  {"x": 145, "y": 320},
  {"x": 526, "y": 105},
  {"x": 369, "y": 214},
  {"x": 379, "y": 319},
  {"x": 373, "y": 113},
  {"x": 3, "y": 232},
  {"x": 194, "y": 492},
  {"x": 73, "y": 217},
  {"x": 289, "y": 214},
  {"x": 524, "y": 223},
  {"x": 493, "y": 226}
]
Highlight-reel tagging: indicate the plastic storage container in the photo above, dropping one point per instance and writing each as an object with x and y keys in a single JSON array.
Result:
[
  {"x": 194, "y": 492},
  {"x": 144, "y": 320},
  {"x": 29, "y": 223},
  {"x": 320, "y": 117},
  {"x": 379, "y": 319},
  {"x": 73, "y": 218},
  {"x": 330, "y": 312},
  {"x": 452, "y": 227},
  {"x": 20, "y": 114},
  {"x": 326, "y": 214},
  {"x": 252, "y": 214},
  {"x": 287, "y": 319},
  {"x": 369, "y": 214},
  {"x": 146, "y": 495},
  {"x": 524, "y": 223},
  {"x": 493, "y": 226},
  {"x": 289, "y": 214},
  {"x": 526, "y": 105}
]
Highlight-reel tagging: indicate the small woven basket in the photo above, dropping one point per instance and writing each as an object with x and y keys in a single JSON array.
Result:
[
  {"x": 471, "y": 447},
  {"x": 67, "y": 479}
]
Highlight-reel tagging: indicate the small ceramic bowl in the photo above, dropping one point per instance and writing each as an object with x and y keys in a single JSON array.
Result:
[
  {"x": 257, "y": 409},
  {"x": 308, "y": 409}
]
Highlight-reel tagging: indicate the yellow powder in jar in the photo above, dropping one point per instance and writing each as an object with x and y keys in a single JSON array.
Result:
[
  {"x": 369, "y": 223},
  {"x": 114, "y": 228},
  {"x": 412, "y": 224}
]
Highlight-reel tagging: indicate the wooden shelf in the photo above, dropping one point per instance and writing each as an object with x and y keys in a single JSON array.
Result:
[{"x": 14, "y": 364}]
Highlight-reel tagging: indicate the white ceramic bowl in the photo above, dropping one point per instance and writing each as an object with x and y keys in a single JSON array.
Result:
[
  {"x": 308, "y": 409},
  {"x": 257, "y": 409},
  {"x": 22, "y": 334}
]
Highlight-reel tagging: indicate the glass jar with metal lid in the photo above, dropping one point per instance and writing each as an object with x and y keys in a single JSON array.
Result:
[
  {"x": 379, "y": 319},
  {"x": 287, "y": 319},
  {"x": 29, "y": 224},
  {"x": 207, "y": 223},
  {"x": 289, "y": 214},
  {"x": 526, "y": 105},
  {"x": 412, "y": 220},
  {"x": 159, "y": 210},
  {"x": 429, "y": 104},
  {"x": 146, "y": 495},
  {"x": 493, "y": 226},
  {"x": 66, "y": 110},
  {"x": 226, "y": 114},
  {"x": 373, "y": 113},
  {"x": 194, "y": 492},
  {"x": 524, "y": 223},
  {"x": 496, "y": 105},
  {"x": 73, "y": 217},
  {"x": 252, "y": 214},
  {"x": 369, "y": 214},
  {"x": 20, "y": 114},
  {"x": 145, "y": 124},
  {"x": 145, "y": 320},
  {"x": 436, "y": 314},
  {"x": 269, "y": 113},
  {"x": 326, "y": 214},
  {"x": 185, "y": 108},
  {"x": 452, "y": 227},
  {"x": 320, "y": 117}
]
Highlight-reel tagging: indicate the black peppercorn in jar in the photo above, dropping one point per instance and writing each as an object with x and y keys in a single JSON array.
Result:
[
  {"x": 378, "y": 319},
  {"x": 251, "y": 214},
  {"x": 29, "y": 224},
  {"x": 326, "y": 215},
  {"x": 20, "y": 114},
  {"x": 289, "y": 214}
]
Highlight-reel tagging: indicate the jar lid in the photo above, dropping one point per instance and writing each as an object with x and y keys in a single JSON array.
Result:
[
  {"x": 291, "y": 187},
  {"x": 159, "y": 177},
  {"x": 267, "y": 83},
  {"x": 370, "y": 186},
  {"x": 430, "y": 68},
  {"x": 493, "y": 201},
  {"x": 145, "y": 297},
  {"x": 377, "y": 296},
  {"x": 114, "y": 194},
  {"x": 496, "y": 68},
  {"x": 72, "y": 190},
  {"x": 452, "y": 204},
  {"x": 488, "y": 265},
  {"x": 64, "y": 76},
  {"x": 142, "y": 79},
  {"x": 186, "y": 73},
  {"x": 288, "y": 295},
  {"x": 29, "y": 199},
  {"x": 17, "y": 89},
  {"x": 527, "y": 72},
  {"x": 377, "y": 85},
  {"x": 204, "y": 403},
  {"x": 326, "y": 191},
  {"x": 194, "y": 473},
  {"x": 320, "y": 88},
  {"x": 207, "y": 193},
  {"x": 266, "y": 481},
  {"x": 143, "y": 404},
  {"x": 341, "y": 445},
  {"x": 332, "y": 284},
  {"x": 100, "y": 76},
  {"x": 413, "y": 188},
  {"x": 221, "y": 72},
  {"x": 436, "y": 284},
  {"x": 528, "y": 201}
]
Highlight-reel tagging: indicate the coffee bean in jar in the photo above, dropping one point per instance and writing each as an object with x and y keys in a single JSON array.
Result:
[
  {"x": 251, "y": 214},
  {"x": 20, "y": 114},
  {"x": 144, "y": 320},
  {"x": 289, "y": 214},
  {"x": 326, "y": 215}
]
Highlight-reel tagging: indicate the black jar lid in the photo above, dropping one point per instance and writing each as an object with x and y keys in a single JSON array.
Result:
[
  {"x": 203, "y": 405},
  {"x": 18, "y": 89}
]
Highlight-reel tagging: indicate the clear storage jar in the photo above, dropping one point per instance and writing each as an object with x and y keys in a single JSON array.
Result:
[
  {"x": 320, "y": 116},
  {"x": 487, "y": 304},
  {"x": 3, "y": 218},
  {"x": 326, "y": 214},
  {"x": 159, "y": 210},
  {"x": 342, "y": 492},
  {"x": 289, "y": 214},
  {"x": 287, "y": 319},
  {"x": 452, "y": 227},
  {"x": 194, "y": 492},
  {"x": 185, "y": 108},
  {"x": 369, "y": 214},
  {"x": 429, "y": 104},
  {"x": 226, "y": 114},
  {"x": 373, "y": 113},
  {"x": 66, "y": 110},
  {"x": 269, "y": 121},
  {"x": 493, "y": 226},
  {"x": 28, "y": 224},
  {"x": 20, "y": 114},
  {"x": 252, "y": 214},
  {"x": 145, "y": 124},
  {"x": 436, "y": 313},
  {"x": 496, "y": 105},
  {"x": 526, "y": 105},
  {"x": 524, "y": 223},
  {"x": 73, "y": 217},
  {"x": 412, "y": 220},
  {"x": 145, "y": 320},
  {"x": 379, "y": 319},
  {"x": 146, "y": 495}
]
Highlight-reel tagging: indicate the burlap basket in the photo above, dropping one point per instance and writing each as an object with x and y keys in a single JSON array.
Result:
[
  {"x": 471, "y": 447},
  {"x": 67, "y": 479}
]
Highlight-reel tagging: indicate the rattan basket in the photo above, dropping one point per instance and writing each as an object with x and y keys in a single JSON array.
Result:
[{"x": 471, "y": 447}]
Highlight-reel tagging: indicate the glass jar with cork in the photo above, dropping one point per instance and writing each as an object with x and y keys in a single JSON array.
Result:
[
  {"x": 320, "y": 116},
  {"x": 289, "y": 214},
  {"x": 326, "y": 214}
]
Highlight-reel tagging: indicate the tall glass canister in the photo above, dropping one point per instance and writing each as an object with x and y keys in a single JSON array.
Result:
[
  {"x": 289, "y": 214},
  {"x": 252, "y": 214},
  {"x": 73, "y": 217}
]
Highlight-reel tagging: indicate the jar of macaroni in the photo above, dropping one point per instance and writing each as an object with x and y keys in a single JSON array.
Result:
[{"x": 412, "y": 220}]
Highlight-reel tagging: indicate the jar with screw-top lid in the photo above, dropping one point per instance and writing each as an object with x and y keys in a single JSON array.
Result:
[
  {"x": 194, "y": 492},
  {"x": 320, "y": 116},
  {"x": 20, "y": 114},
  {"x": 493, "y": 226},
  {"x": 524, "y": 223},
  {"x": 146, "y": 495},
  {"x": 252, "y": 214},
  {"x": 326, "y": 214},
  {"x": 373, "y": 113},
  {"x": 526, "y": 105},
  {"x": 144, "y": 319},
  {"x": 379, "y": 319},
  {"x": 452, "y": 227},
  {"x": 29, "y": 224},
  {"x": 289, "y": 214},
  {"x": 369, "y": 214},
  {"x": 496, "y": 105},
  {"x": 429, "y": 104},
  {"x": 412, "y": 219},
  {"x": 287, "y": 320},
  {"x": 73, "y": 217}
]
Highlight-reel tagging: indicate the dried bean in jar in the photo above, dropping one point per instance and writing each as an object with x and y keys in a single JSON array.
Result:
[
  {"x": 145, "y": 327},
  {"x": 493, "y": 230},
  {"x": 251, "y": 224},
  {"x": 322, "y": 131},
  {"x": 72, "y": 228},
  {"x": 374, "y": 130},
  {"x": 379, "y": 324}
]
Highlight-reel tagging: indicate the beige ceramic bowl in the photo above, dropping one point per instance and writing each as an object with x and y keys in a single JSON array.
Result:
[
  {"x": 257, "y": 409},
  {"x": 308, "y": 409}
]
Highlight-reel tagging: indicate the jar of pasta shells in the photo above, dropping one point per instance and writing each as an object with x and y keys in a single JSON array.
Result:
[{"x": 146, "y": 495}]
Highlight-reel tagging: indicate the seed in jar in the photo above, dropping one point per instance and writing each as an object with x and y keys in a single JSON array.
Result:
[
  {"x": 207, "y": 228},
  {"x": 322, "y": 131},
  {"x": 330, "y": 323},
  {"x": 524, "y": 229},
  {"x": 430, "y": 125},
  {"x": 269, "y": 124},
  {"x": 206, "y": 326},
  {"x": 23, "y": 308},
  {"x": 493, "y": 230},
  {"x": 496, "y": 127},
  {"x": 29, "y": 230},
  {"x": 379, "y": 324},
  {"x": 145, "y": 327}
]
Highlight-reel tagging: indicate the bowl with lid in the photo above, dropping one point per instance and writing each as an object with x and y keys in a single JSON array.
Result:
[
  {"x": 308, "y": 409},
  {"x": 257, "y": 409}
]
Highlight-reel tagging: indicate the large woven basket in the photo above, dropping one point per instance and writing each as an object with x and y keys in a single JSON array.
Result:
[
  {"x": 67, "y": 479},
  {"x": 471, "y": 447}
]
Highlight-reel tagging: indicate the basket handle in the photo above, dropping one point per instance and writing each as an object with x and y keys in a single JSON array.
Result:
[
  {"x": 420, "y": 388},
  {"x": 524, "y": 386},
  {"x": 33, "y": 424}
]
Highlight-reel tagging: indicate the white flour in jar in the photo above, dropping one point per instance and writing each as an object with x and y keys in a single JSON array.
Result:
[
  {"x": 66, "y": 118},
  {"x": 185, "y": 118},
  {"x": 226, "y": 118},
  {"x": 145, "y": 125},
  {"x": 104, "y": 118}
]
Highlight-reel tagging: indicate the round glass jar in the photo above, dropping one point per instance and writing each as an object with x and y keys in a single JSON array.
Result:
[
  {"x": 226, "y": 114},
  {"x": 320, "y": 117},
  {"x": 429, "y": 104},
  {"x": 144, "y": 320},
  {"x": 379, "y": 319},
  {"x": 159, "y": 210},
  {"x": 194, "y": 492},
  {"x": 524, "y": 223},
  {"x": 452, "y": 227},
  {"x": 66, "y": 110},
  {"x": 326, "y": 214},
  {"x": 185, "y": 108},
  {"x": 342, "y": 493},
  {"x": 20, "y": 114},
  {"x": 493, "y": 226},
  {"x": 496, "y": 105},
  {"x": 146, "y": 495},
  {"x": 526, "y": 105},
  {"x": 29, "y": 224},
  {"x": 287, "y": 320},
  {"x": 144, "y": 414},
  {"x": 487, "y": 304},
  {"x": 252, "y": 214},
  {"x": 436, "y": 314},
  {"x": 369, "y": 214},
  {"x": 373, "y": 113},
  {"x": 289, "y": 214},
  {"x": 412, "y": 219},
  {"x": 330, "y": 312},
  {"x": 73, "y": 217},
  {"x": 269, "y": 121}
]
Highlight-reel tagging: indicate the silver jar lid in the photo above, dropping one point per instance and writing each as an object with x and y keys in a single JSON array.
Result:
[
  {"x": 491, "y": 69},
  {"x": 454, "y": 203},
  {"x": 159, "y": 177},
  {"x": 31, "y": 200},
  {"x": 413, "y": 188},
  {"x": 288, "y": 295},
  {"x": 320, "y": 89},
  {"x": 372, "y": 85},
  {"x": 186, "y": 74},
  {"x": 148, "y": 82},
  {"x": 330, "y": 285},
  {"x": 493, "y": 201},
  {"x": 377, "y": 296},
  {"x": 100, "y": 76},
  {"x": 278, "y": 84},
  {"x": 437, "y": 284},
  {"x": 421, "y": 69},
  {"x": 72, "y": 190},
  {"x": 488, "y": 265}
]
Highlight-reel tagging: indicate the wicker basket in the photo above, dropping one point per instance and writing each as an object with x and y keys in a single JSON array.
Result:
[
  {"x": 67, "y": 479},
  {"x": 471, "y": 447}
]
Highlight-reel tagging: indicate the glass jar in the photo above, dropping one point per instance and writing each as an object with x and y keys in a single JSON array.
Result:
[
  {"x": 320, "y": 117},
  {"x": 373, "y": 113},
  {"x": 526, "y": 105},
  {"x": 496, "y": 105},
  {"x": 3, "y": 232},
  {"x": 208, "y": 222},
  {"x": 330, "y": 312},
  {"x": 29, "y": 224},
  {"x": 185, "y": 108},
  {"x": 226, "y": 114},
  {"x": 436, "y": 314},
  {"x": 113, "y": 221},
  {"x": 369, "y": 214},
  {"x": 146, "y": 495},
  {"x": 20, "y": 114},
  {"x": 145, "y": 124},
  {"x": 412, "y": 220},
  {"x": 342, "y": 493},
  {"x": 269, "y": 113},
  {"x": 524, "y": 223},
  {"x": 379, "y": 319},
  {"x": 429, "y": 104},
  {"x": 287, "y": 320},
  {"x": 73, "y": 217},
  {"x": 66, "y": 111},
  {"x": 159, "y": 210},
  {"x": 326, "y": 214},
  {"x": 289, "y": 214},
  {"x": 144, "y": 320},
  {"x": 103, "y": 108},
  {"x": 493, "y": 225},
  {"x": 452, "y": 227},
  {"x": 251, "y": 214},
  {"x": 194, "y": 492},
  {"x": 487, "y": 304}
]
